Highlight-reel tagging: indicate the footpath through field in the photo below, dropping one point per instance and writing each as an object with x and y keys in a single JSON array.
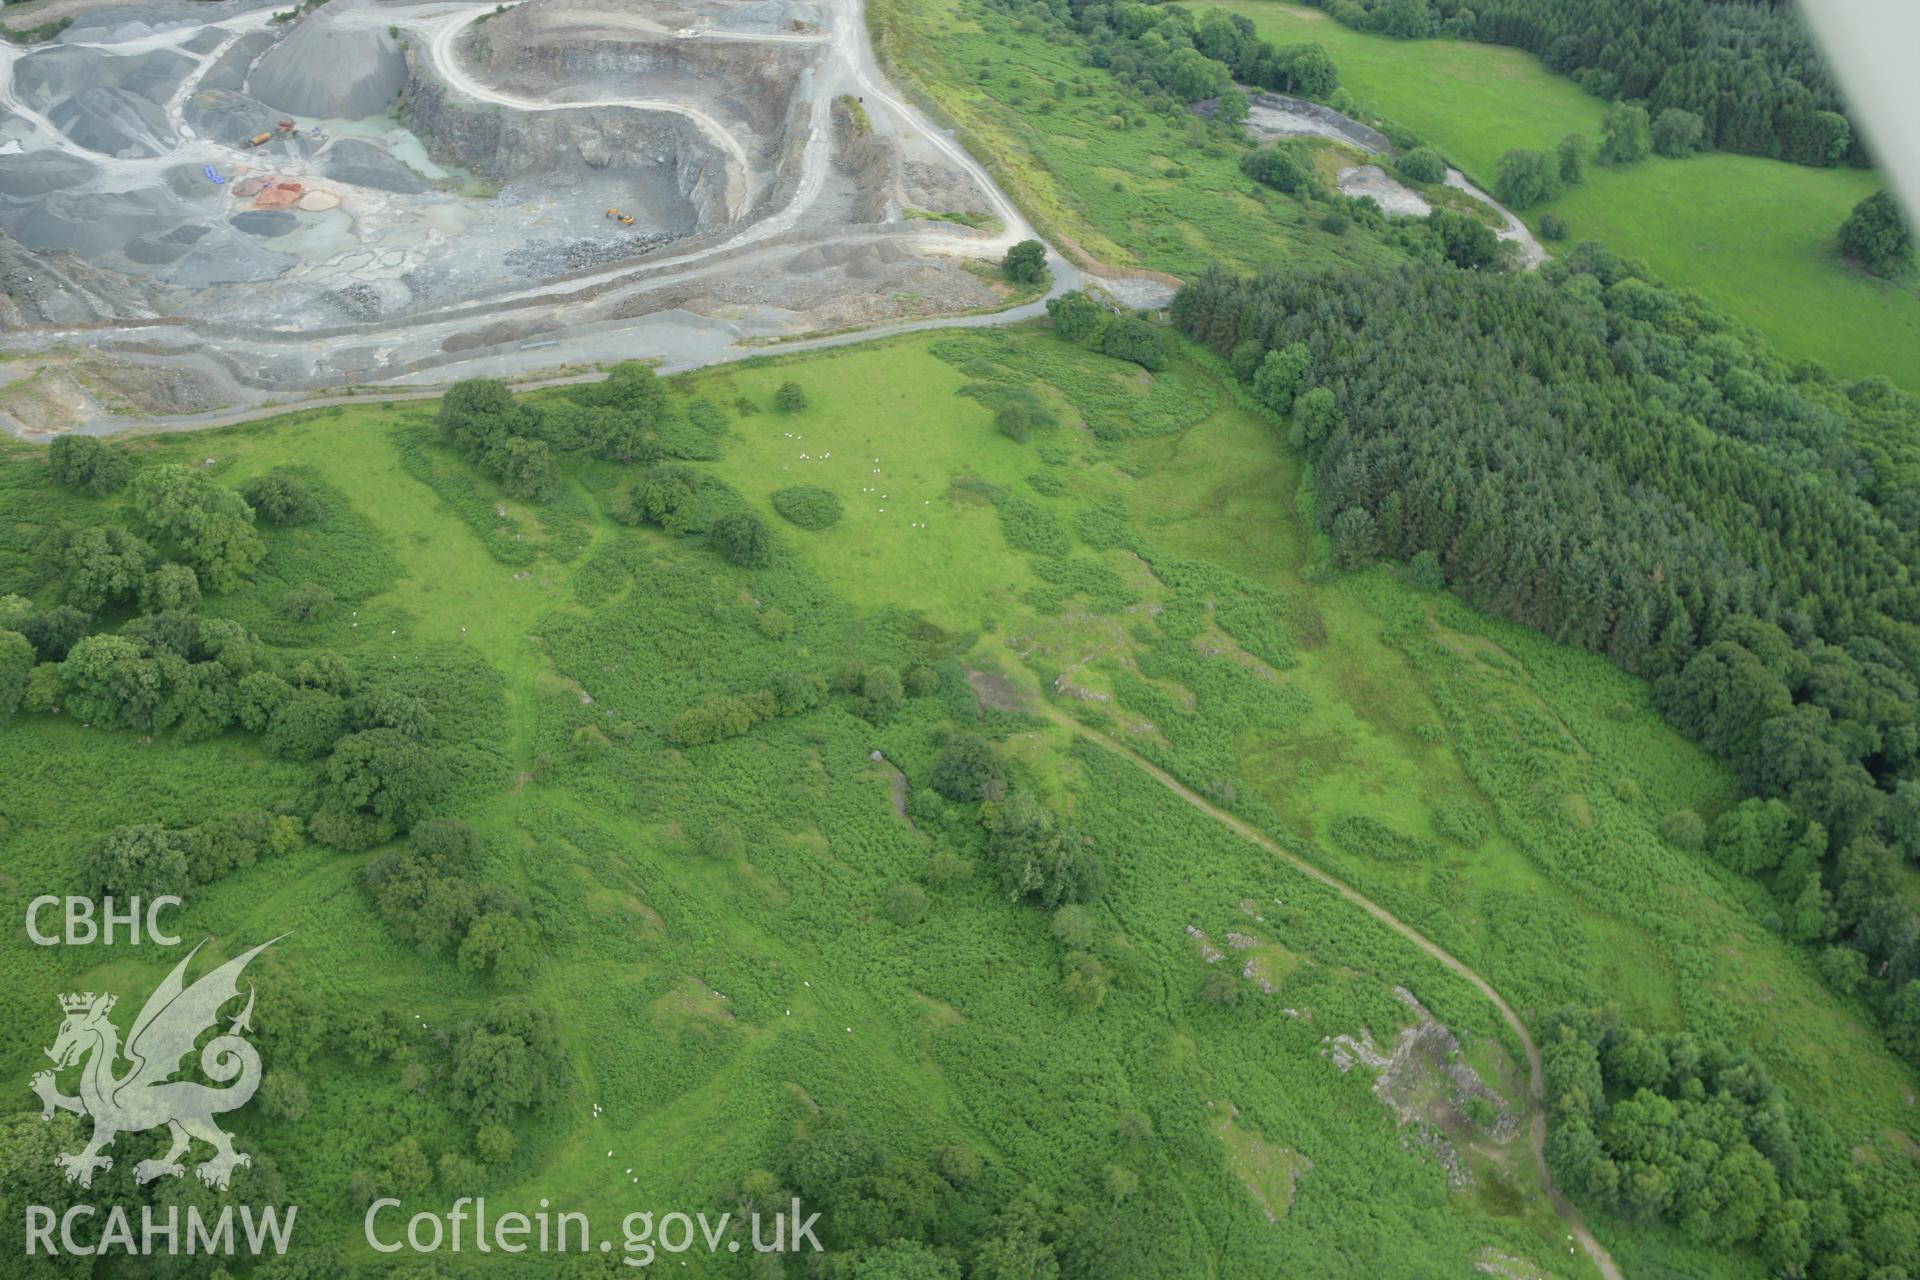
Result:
[{"x": 1536, "y": 1088}]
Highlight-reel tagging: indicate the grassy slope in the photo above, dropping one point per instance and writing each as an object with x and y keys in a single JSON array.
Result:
[
  {"x": 1754, "y": 235},
  {"x": 1106, "y": 189},
  {"x": 957, "y": 1033},
  {"x": 1375, "y": 705},
  {"x": 1416, "y": 703},
  {"x": 1572, "y": 896},
  {"x": 1410, "y": 704}
]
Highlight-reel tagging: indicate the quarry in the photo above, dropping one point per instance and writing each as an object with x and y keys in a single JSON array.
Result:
[{"x": 220, "y": 204}]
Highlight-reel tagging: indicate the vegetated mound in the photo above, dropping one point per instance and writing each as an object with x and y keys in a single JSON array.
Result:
[
  {"x": 329, "y": 69},
  {"x": 808, "y": 506}
]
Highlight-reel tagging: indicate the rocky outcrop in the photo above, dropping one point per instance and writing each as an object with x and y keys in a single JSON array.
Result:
[
  {"x": 1276, "y": 115},
  {"x": 790, "y": 156},
  {"x": 655, "y": 145},
  {"x": 65, "y": 289},
  {"x": 873, "y": 162},
  {"x": 744, "y": 84}
]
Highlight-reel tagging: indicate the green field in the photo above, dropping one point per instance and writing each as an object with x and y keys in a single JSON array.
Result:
[
  {"x": 1756, "y": 236},
  {"x": 718, "y": 1005}
]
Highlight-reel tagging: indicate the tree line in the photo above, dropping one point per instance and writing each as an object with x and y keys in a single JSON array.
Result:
[
  {"x": 1165, "y": 48},
  {"x": 1527, "y": 177},
  {"x": 945, "y": 1214},
  {"x": 1667, "y": 1128},
  {"x": 1749, "y": 71},
  {"x": 1623, "y": 468}
]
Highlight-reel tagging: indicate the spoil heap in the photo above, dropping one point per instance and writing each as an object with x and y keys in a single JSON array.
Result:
[{"x": 337, "y": 63}]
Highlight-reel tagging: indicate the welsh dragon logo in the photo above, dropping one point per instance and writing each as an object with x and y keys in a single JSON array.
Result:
[{"x": 146, "y": 1096}]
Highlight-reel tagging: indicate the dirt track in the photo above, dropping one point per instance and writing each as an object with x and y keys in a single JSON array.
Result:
[{"x": 1536, "y": 1088}]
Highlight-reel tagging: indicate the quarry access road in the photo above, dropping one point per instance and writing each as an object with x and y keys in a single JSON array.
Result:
[
  {"x": 847, "y": 66},
  {"x": 1536, "y": 1082},
  {"x": 764, "y": 37},
  {"x": 447, "y": 30},
  {"x": 699, "y": 353},
  {"x": 634, "y": 22}
]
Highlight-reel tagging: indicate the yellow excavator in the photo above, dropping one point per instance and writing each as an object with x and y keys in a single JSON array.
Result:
[{"x": 624, "y": 219}]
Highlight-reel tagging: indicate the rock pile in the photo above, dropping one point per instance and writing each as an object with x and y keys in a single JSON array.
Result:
[{"x": 332, "y": 65}]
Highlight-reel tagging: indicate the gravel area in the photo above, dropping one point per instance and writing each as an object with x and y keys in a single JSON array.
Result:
[{"x": 539, "y": 259}]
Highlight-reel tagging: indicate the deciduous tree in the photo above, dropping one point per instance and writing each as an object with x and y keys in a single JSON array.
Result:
[
  {"x": 1075, "y": 316},
  {"x": 99, "y": 565},
  {"x": 1877, "y": 237},
  {"x": 1423, "y": 165},
  {"x": 147, "y": 860},
  {"x": 83, "y": 462},
  {"x": 110, "y": 682},
  {"x": 1625, "y": 135},
  {"x": 199, "y": 521},
  {"x": 1527, "y": 178},
  {"x": 1026, "y": 262},
  {"x": 743, "y": 538},
  {"x": 16, "y": 667},
  {"x": 280, "y": 496},
  {"x": 1677, "y": 132}
]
